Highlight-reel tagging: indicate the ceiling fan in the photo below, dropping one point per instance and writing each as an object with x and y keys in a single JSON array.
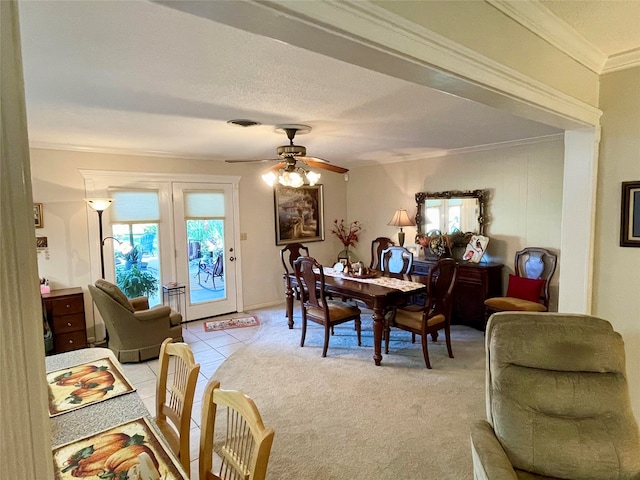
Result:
[{"x": 289, "y": 155}]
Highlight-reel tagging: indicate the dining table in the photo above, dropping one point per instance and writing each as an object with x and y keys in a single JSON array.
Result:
[
  {"x": 127, "y": 407},
  {"x": 379, "y": 291}
]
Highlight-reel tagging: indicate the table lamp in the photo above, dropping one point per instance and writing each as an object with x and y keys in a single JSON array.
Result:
[{"x": 401, "y": 219}]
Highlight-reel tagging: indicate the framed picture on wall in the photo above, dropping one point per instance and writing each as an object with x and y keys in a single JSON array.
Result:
[
  {"x": 630, "y": 218},
  {"x": 37, "y": 215},
  {"x": 299, "y": 214}
]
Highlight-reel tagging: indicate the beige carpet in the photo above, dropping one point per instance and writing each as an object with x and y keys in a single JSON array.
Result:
[{"x": 341, "y": 417}]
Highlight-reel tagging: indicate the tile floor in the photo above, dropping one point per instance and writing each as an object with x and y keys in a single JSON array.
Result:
[{"x": 210, "y": 350}]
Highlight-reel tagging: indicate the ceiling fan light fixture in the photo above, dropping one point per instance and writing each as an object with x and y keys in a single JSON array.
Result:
[{"x": 289, "y": 177}]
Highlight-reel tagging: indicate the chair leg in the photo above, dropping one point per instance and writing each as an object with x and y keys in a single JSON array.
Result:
[
  {"x": 387, "y": 334},
  {"x": 359, "y": 331},
  {"x": 304, "y": 328},
  {"x": 425, "y": 350},
  {"x": 413, "y": 337},
  {"x": 447, "y": 336},
  {"x": 326, "y": 340}
]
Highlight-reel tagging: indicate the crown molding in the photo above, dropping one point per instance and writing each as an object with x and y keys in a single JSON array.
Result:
[
  {"x": 117, "y": 151},
  {"x": 534, "y": 16},
  {"x": 439, "y": 153},
  {"x": 622, "y": 61},
  {"x": 460, "y": 69}
]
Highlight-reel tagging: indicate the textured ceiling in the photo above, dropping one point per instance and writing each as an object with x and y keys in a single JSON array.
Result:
[
  {"x": 138, "y": 77},
  {"x": 612, "y": 26}
]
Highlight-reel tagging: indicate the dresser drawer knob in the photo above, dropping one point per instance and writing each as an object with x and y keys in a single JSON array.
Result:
[
  {"x": 68, "y": 324},
  {"x": 68, "y": 306},
  {"x": 71, "y": 341}
]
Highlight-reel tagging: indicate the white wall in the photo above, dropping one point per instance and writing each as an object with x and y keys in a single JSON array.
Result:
[
  {"x": 617, "y": 269},
  {"x": 58, "y": 185},
  {"x": 524, "y": 206}
]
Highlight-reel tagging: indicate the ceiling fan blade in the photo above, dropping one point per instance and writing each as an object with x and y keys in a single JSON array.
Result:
[
  {"x": 255, "y": 160},
  {"x": 326, "y": 166},
  {"x": 312, "y": 159}
]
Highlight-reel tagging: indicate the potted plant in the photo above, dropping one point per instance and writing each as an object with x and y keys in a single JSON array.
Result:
[
  {"x": 134, "y": 279},
  {"x": 135, "y": 282}
]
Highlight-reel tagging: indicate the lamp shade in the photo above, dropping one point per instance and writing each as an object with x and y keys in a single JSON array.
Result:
[
  {"x": 401, "y": 219},
  {"x": 99, "y": 204}
]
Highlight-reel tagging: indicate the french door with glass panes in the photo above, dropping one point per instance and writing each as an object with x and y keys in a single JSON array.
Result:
[{"x": 205, "y": 250}]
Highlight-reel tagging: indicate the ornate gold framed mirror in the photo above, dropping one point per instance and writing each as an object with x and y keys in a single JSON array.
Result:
[{"x": 456, "y": 213}]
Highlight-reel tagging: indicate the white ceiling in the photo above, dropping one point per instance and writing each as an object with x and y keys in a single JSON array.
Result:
[{"x": 137, "y": 77}]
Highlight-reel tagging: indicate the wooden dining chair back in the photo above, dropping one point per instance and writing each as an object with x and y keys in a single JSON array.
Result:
[
  {"x": 288, "y": 255},
  {"x": 176, "y": 387},
  {"x": 242, "y": 443},
  {"x": 436, "y": 313},
  {"x": 528, "y": 289},
  {"x": 377, "y": 246},
  {"x": 317, "y": 307},
  {"x": 396, "y": 259}
]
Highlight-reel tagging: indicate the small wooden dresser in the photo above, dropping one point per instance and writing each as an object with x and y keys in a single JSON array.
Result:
[
  {"x": 475, "y": 283},
  {"x": 64, "y": 311}
]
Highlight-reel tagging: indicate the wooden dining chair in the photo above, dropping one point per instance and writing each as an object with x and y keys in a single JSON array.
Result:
[
  {"x": 435, "y": 315},
  {"x": 245, "y": 442},
  {"x": 317, "y": 307},
  {"x": 396, "y": 259},
  {"x": 377, "y": 246},
  {"x": 288, "y": 255},
  {"x": 176, "y": 387}
]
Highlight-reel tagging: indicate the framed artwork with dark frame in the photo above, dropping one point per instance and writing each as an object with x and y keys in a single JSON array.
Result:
[
  {"x": 299, "y": 214},
  {"x": 630, "y": 219},
  {"x": 37, "y": 215}
]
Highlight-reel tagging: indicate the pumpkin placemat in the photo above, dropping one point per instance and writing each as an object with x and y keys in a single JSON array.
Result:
[{"x": 85, "y": 384}]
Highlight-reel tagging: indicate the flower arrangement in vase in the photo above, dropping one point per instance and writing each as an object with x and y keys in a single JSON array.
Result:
[{"x": 348, "y": 234}]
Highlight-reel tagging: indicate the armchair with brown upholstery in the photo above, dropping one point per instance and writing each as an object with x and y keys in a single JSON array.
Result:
[
  {"x": 135, "y": 332},
  {"x": 557, "y": 401}
]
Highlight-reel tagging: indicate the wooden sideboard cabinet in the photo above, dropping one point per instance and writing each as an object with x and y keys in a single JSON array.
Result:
[
  {"x": 475, "y": 283},
  {"x": 64, "y": 310}
]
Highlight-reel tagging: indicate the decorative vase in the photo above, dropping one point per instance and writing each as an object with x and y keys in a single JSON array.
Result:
[{"x": 348, "y": 255}]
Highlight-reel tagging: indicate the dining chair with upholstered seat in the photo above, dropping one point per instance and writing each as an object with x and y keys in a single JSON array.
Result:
[
  {"x": 242, "y": 443},
  {"x": 288, "y": 255},
  {"x": 435, "y": 315},
  {"x": 528, "y": 289},
  {"x": 377, "y": 246},
  {"x": 176, "y": 387},
  {"x": 317, "y": 307},
  {"x": 395, "y": 259}
]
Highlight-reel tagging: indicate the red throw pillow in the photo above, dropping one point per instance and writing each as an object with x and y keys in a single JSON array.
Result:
[{"x": 525, "y": 288}]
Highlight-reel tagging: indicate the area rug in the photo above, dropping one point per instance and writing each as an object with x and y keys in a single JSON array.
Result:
[
  {"x": 238, "y": 322},
  {"x": 342, "y": 417}
]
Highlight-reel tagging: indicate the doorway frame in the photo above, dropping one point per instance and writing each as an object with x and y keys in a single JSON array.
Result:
[{"x": 97, "y": 183}]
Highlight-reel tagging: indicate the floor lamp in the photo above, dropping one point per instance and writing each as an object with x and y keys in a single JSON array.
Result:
[
  {"x": 100, "y": 205},
  {"x": 401, "y": 219}
]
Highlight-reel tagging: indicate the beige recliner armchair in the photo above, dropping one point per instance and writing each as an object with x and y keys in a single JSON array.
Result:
[
  {"x": 557, "y": 401},
  {"x": 135, "y": 332}
]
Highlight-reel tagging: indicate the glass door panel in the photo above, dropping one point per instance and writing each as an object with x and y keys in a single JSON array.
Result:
[{"x": 203, "y": 218}]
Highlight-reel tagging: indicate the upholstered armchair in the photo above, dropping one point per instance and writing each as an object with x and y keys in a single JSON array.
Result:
[
  {"x": 135, "y": 332},
  {"x": 557, "y": 401}
]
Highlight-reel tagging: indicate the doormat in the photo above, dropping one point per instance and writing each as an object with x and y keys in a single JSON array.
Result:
[{"x": 215, "y": 325}]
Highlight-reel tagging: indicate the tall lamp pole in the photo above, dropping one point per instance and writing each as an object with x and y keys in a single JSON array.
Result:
[{"x": 100, "y": 205}]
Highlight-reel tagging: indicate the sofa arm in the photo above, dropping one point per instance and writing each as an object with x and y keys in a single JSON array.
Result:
[
  {"x": 490, "y": 462},
  {"x": 139, "y": 303},
  {"x": 154, "y": 313}
]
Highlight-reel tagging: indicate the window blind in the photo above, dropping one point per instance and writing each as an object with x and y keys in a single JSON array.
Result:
[
  {"x": 200, "y": 204},
  {"x": 135, "y": 206}
]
